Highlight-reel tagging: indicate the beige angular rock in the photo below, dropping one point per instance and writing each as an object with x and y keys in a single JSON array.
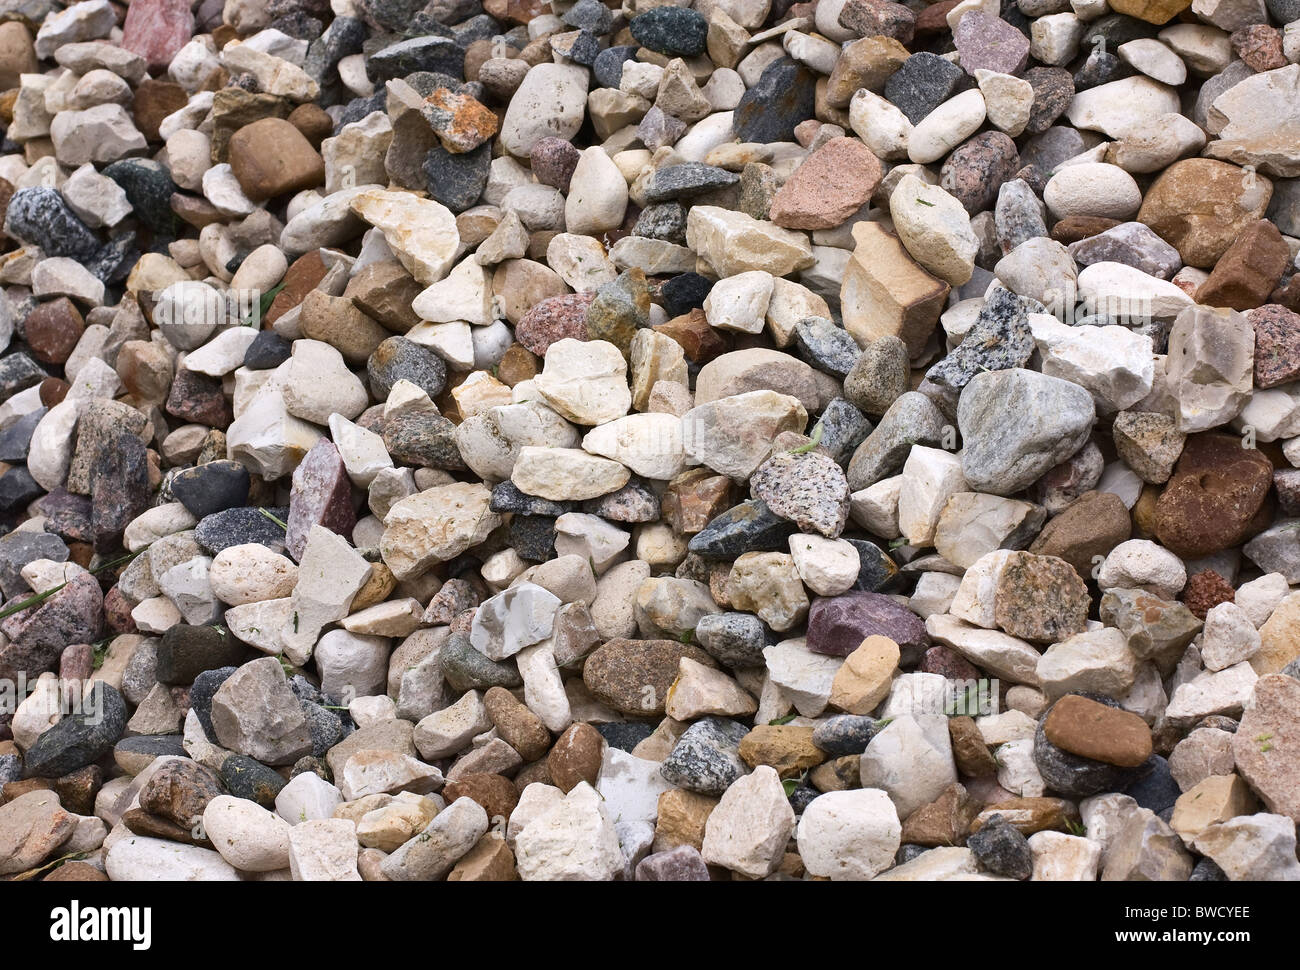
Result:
[
  {"x": 887, "y": 293},
  {"x": 701, "y": 691},
  {"x": 732, "y": 242},
  {"x": 585, "y": 381},
  {"x": 649, "y": 444},
  {"x": 864, "y": 680},
  {"x": 748, "y": 829},
  {"x": 733, "y": 435},
  {"x": 436, "y": 525},
  {"x": 566, "y": 474},
  {"x": 421, "y": 233}
]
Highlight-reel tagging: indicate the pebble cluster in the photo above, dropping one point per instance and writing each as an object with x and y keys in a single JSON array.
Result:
[{"x": 741, "y": 439}]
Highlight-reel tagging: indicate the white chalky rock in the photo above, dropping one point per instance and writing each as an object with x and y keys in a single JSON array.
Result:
[
  {"x": 248, "y": 836},
  {"x": 259, "y": 624},
  {"x": 931, "y": 476},
  {"x": 465, "y": 295},
  {"x": 733, "y": 242},
  {"x": 324, "y": 850},
  {"x": 1229, "y": 637},
  {"x": 307, "y": 797},
  {"x": 580, "y": 261},
  {"x": 380, "y": 772},
  {"x": 1000, "y": 654},
  {"x": 351, "y": 665},
  {"x": 330, "y": 573},
  {"x": 135, "y": 858},
  {"x": 934, "y": 227},
  {"x": 649, "y": 444},
  {"x": 1127, "y": 293},
  {"x": 597, "y": 196},
  {"x": 187, "y": 585},
  {"x": 875, "y": 507},
  {"x": 1007, "y": 100},
  {"x": 490, "y": 442},
  {"x": 1143, "y": 564},
  {"x": 908, "y": 763},
  {"x": 1092, "y": 189},
  {"x": 551, "y": 102},
  {"x": 1260, "y": 847},
  {"x": 103, "y": 133},
  {"x": 749, "y": 827},
  {"x": 363, "y": 452},
  {"x": 222, "y": 354},
  {"x": 846, "y": 835},
  {"x": 513, "y": 619},
  {"x": 544, "y": 692},
  {"x": 574, "y": 841},
  {"x": 828, "y": 567},
  {"x": 1096, "y": 660},
  {"x": 803, "y": 676},
  {"x": 946, "y": 127},
  {"x": 317, "y": 383},
  {"x": 251, "y": 573},
  {"x": 444, "y": 733},
  {"x": 975, "y": 599},
  {"x": 1153, "y": 59},
  {"x": 1121, "y": 107},
  {"x": 883, "y": 127},
  {"x": 596, "y": 541},
  {"x": 1054, "y": 39},
  {"x": 1224, "y": 691},
  {"x": 421, "y": 233},
  {"x": 1112, "y": 363},
  {"x": 1064, "y": 858},
  {"x": 630, "y": 786},
  {"x": 222, "y": 189},
  {"x": 1017, "y": 771},
  {"x": 436, "y": 525},
  {"x": 585, "y": 381},
  {"x": 265, "y": 436},
  {"x": 1007, "y": 726},
  {"x": 50, "y": 451},
  {"x": 739, "y": 302},
  {"x": 933, "y": 594},
  {"x": 1260, "y": 597},
  {"x": 566, "y": 474}
]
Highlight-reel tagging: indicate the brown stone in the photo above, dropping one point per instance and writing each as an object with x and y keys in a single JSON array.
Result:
[
  {"x": 75, "y": 871},
  {"x": 517, "y": 365},
  {"x": 53, "y": 330},
  {"x": 313, "y": 122},
  {"x": 1260, "y": 46},
  {"x": 576, "y": 756},
  {"x": 53, "y": 390},
  {"x": 337, "y": 321},
  {"x": 518, "y": 726},
  {"x": 1213, "y": 497},
  {"x": 1206, "y": 590},
  {"x": 700, "y": 342},
  {"x": 633, "y": 676},
  {"x": 516, "y": 11},
  {"x": 154, "y": 101},
  {"x": 12, "y": 790},
  {"x": 233, "y": 108},
  {"x": 694, "y": 498},
  {"x": 1247, "y": 272},
  {"x": 681, "y": 819},
  {"x": 384, "y": 291},
  {"x": 304, "y": 274},
  {"x": 77, "y": 789},
  {"x": 17, "y": 54},
  {"x": 271, "y": 157},
  {"x": 153, "y": 826},
  {"x": 180, "y": 791},
  {"x": 838, "y": 774},
  {"x": 1074, "y": 228},
  {"x": 194, "y": 210},
  {"x": 972, "y": 755},
  {"x": 1099, "y": 732},
  {"x": 489, "y": 861},
  {"x": 832, "y": 183},
  {"x": 866, "y": 63},
  {"x": 1200, "y": 206},
  {"x": 538, "y": 772},
  {"x": 1031, "y": 815},
  {"x": 1152, "y": 11},
  {"x": 945, "y": 821},
  {"x": 863, "y": 681},
  {"x": 1093, "y": 525},
  {"x": 788, "y": 748},
  {"x": 496, "y": 793}
]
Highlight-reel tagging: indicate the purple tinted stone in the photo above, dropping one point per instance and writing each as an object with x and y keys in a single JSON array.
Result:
[
  {"x": 553, "y": 161},
  {"x": 321, "y": 495},
  {"x": 38, "y": 634},
  {"x": 944, "y": 660},
  {"x": 837, "y": 625},
  {"x": 990, "y": 43},
  {"x": 682, "y": 864}
]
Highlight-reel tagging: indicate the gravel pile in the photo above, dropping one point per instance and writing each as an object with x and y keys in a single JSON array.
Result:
[{"x": 739, "y": 440}]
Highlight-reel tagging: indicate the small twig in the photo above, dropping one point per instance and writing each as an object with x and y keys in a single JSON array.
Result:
[{"x": 280, "y": 522}]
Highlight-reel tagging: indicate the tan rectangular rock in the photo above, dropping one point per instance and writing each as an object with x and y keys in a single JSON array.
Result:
[{"x": 886, "y": 293}]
